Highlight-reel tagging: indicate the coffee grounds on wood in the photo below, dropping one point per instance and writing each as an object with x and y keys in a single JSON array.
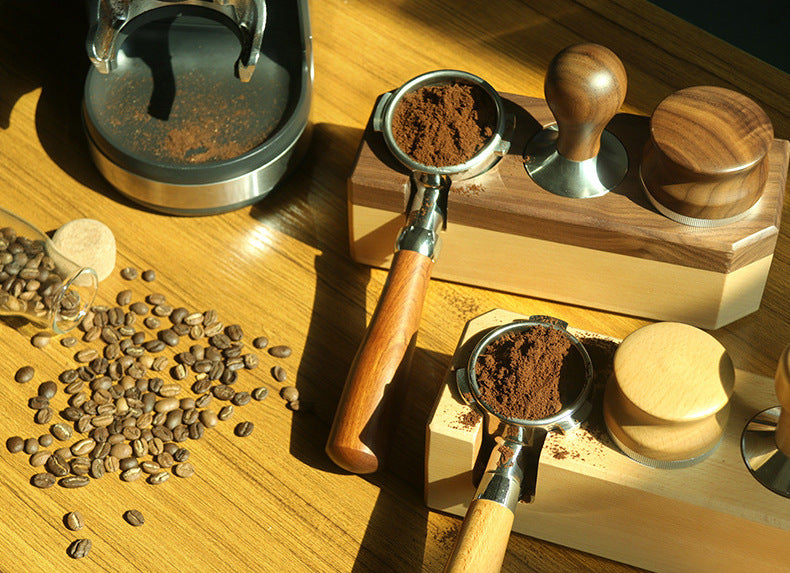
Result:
[
  {"x": 442, "y": 126},
  {"x": 530, "y": 374}
]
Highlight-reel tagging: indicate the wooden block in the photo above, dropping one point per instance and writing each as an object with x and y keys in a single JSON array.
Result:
[
  {"x": 614, "y": 252},
  {"x": 712, "y": 516}
]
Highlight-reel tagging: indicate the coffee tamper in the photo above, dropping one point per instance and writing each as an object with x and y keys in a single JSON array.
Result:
[
  {"x": 108, "y": 21},
  {"x": 765, "y": 442},
  {"x": 577, "y": 157},
  {"x": 668, "y": 400},
  {"x": 706, "y": 161}
]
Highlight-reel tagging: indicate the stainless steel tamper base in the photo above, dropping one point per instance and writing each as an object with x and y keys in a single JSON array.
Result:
[
  {"x": 577, "y": 179},
  {"x": 766, "y": 463}
]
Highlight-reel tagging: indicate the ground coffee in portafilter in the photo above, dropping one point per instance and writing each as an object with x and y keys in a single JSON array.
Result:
[
  {"x": 530, "y": 374},
  {"x": 441, "y": 126}
]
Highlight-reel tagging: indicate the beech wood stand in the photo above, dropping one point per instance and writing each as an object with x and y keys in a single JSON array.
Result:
[
  {"x": 614, "y": 252},
  {"x": 712, "y": 516}
]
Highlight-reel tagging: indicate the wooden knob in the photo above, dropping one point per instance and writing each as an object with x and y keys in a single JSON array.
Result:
[
  {"x": 783, "y": 394},
  {"x": 667, "y": 402},
  {"x": 585, "y": 86},
  {"x": 706, "y": 158}
]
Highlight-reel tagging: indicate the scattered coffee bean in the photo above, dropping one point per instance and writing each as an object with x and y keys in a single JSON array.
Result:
[
  {"x": 250, "y": 361},
  {"x": 41, "y": 339},
  {"x": 139, "y": 308},
  {"x": 40, "y": 458},
  {"x": 15, "y": 444},
  {"x": 234, "y": 332},
  {"x": 241, "y": 398},
  {"x": 129, "y": 273},
  {"x": 43, "y": 480},
  {"x": 260, "y": 393},
  {"x": 158, "y": 478},
  {"x": 31, "y": 446},
  {"x": 73, "y": 521},
  {"x": 225, "y": 413},
  {"x": 279, "y": 373},
  {"x": 289, "y": 393},
  {"x": 69, "y": 342},
  {"x": 124, "y": 297},
  {"x": 79, "y": 548},
  {"x": 44, "y": 415},
  {"x": 61, "y": 431},
  {"x": 244, "y": 429},
  {"x": 148, "y": 275},
  {"x": 45, "y": 440},
  {"x": 280, "y": 351},
  {"x": 74, "y": 481},
  {"x": 134, "y": 517},
  {"x": 47, "y": 389},
  {"x": 184, "y": 470},
  {"x": 24, "y": 374},
  {"x": 260, "y": 342},
  {"x": 131, "y": 474},
  {"x": 86, "y": 355}
]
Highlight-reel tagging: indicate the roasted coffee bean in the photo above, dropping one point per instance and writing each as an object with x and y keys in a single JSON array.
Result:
[
  {"x": 152, "y": 322},
  {"x": 217, "y": 369},
  {"x": 202, "y": 366},
  {"x": 73, "y": 521},
  {"x": 73, "y": 482},
  {"x": 220, "y": 341},
  {"x": 79, "y": 548},
  {"x": 92, "y": 334},
  {"x": 234, "y": 364},
  {"x": 201, "y": 386},
  {"x": 134, "y": 517},
  {"x": 181, "y": 455},
  {"x": 212, "y": 354},
  {"x": 80, "y": 466},
  {"x": 38, "y": 402},
  {"x": 121, "y": 450},
  {"x": 169, "y": 337},
  {"x": 244, "y": 429},
  {"x": 193, "y": 318},
  {"x": 213, "y": 329},
  {"x": 279, "y": 374},
  {"x": 289, "y": 393},
  {"x": 198, "y": 351},
  {"x": 160, "y": 364},
  {"x": 15, "y": 444},
  {"x": 131, "y": 474},
  {"x": 165, "y": 460},
  {"x": 57, "y": 466},
  {"x": 83, "y": 447},
  {"x": 234, "y": 332},
  {"x": 86, "y": 355},
  {"x": 156, "y": 298},
  {"x": 150, "y": 467},
  {"x": 124, "y": 297},
  {"x": 39, "y": 458},
  {"x": 241, "y": 398},
  {"x": 45, "y": 440},
  {"x": 116, "y": 317},
  {"x": 43, "y": 480},
  {"x": 190, "y": 416},
  {"x": 169, "y": 390},
  {"x": 31, "y": 446},
  {"x": 156, "y": 479},
  {"x": 223, "y": 392},
  {"x": 162, "y": 310},
  {"x": 24, "y": 374},
  {"x": 75, "y": 387},
  {"x": 196, "y": 332},
  {"x": 229, "y": 377},
  {"x": 101, "y": 451},
  {"x": 178, "y": 315},
  {"x": 225, "y": 413},
  {"x": 40, "y": 339},
  {"x": 97, "y": 468},
  {"x": 68, "y": 376},
  {"x": 181, "y": 329},
  {"x": 210, "y": 317},
  {"x": 184, "y": 470},
  {"x": 128, "y": 463},
  {"x": 69, "y": 342},
  {"x": 280, "y": 351},
  {"x": 180, "y": 433},
  {"x": 260, "y": 393},
  {"x": 260, "y": 342},
  {"x": 44, "y": 415},
  {"x": 72, "y": 414},
  {"x": 129, "y": 273},
  {"x": 250, "y": 361},
  {"x": 111, "y": 464},
  {"x": 233, "y": 351},
  {"x": 139, "y": 308},
  {"x": 203, "y": 400}
]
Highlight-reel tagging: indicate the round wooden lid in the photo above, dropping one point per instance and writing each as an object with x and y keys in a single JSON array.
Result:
[
  {"x": 711, "y": 130},
  {"x": 674, "y": 372}
]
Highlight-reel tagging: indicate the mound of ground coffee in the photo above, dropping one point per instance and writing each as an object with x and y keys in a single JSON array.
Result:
[
  {"x": 530, "y": 374},
  {"x": 441, "y": 126}
]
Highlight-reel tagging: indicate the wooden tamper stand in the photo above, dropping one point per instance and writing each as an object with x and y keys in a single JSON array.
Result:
[
  {"x": 765, "y": 442},
  {"x": 585, "y": 86},
  {"x": 706, "y": 162},
  {"x": 667, "y": 402}
]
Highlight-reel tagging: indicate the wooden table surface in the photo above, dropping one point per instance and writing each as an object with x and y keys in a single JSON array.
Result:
[{"x": 281, "y": 268}]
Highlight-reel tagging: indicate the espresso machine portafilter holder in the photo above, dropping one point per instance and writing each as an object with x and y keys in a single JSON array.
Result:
[{"x": 197, "y": 107}]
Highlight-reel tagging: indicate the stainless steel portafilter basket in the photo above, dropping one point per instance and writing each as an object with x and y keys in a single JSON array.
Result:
[
  {"x": 511, "y": 473},
  {"x": 360, "y": 432}
]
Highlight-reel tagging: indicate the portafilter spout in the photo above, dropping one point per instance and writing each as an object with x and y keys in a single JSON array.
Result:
[
  {"x": 511, "y": 473},
  {"x": 368, "y": 406},
  {"x": 109, "y": 18}
]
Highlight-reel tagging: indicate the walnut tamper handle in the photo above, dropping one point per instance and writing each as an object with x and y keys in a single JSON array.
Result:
[
  {"x": 585, "y": 86},
  {"x": 765, "y": 441}
]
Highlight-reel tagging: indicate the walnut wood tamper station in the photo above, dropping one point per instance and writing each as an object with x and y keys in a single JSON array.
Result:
[
  {"x": 706, "y": 162},
  {"x": 667, "y": 402},
  {"x": 765, "y": 442},
  {"x": 577, "y": 157}
]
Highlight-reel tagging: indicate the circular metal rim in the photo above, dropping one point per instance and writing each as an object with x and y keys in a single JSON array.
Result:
[
  {"x": 482, "y": 159},
  {"x": 521, "y": 325},
  {"x": 759, "y": 436}
]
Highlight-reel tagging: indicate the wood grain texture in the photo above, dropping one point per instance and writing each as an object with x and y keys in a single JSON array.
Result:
[
  {"x": 368, "y": 406},
  {"x": 281, "y": 268},
  {"x": 482, "y": 541},
  {"x": 706, "y": 154},
  {"x": 585, "y": 86}
]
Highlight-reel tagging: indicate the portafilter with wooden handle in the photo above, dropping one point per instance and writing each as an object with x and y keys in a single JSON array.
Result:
[{"x": 363, "y": 422}]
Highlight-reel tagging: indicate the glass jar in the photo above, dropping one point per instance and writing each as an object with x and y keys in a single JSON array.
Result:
[{"x": 39, "y": 283}]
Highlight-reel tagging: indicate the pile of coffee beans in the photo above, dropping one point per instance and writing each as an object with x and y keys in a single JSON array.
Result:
[
  {"x": 29, "y": 279},
  {"x": 138, "y": 392}
]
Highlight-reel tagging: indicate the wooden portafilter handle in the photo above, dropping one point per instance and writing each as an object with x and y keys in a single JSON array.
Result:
[
  {"x": 482, "y": 541},
  {"x": 782, "y": 383},
  {"x": 361, "y": 429},
  {"x": 585, "y": 86}
]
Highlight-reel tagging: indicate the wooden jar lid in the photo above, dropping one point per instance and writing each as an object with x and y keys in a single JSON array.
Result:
[
  {"x": 667, "y": 401},
  {"x": 706, "y": 156}
]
